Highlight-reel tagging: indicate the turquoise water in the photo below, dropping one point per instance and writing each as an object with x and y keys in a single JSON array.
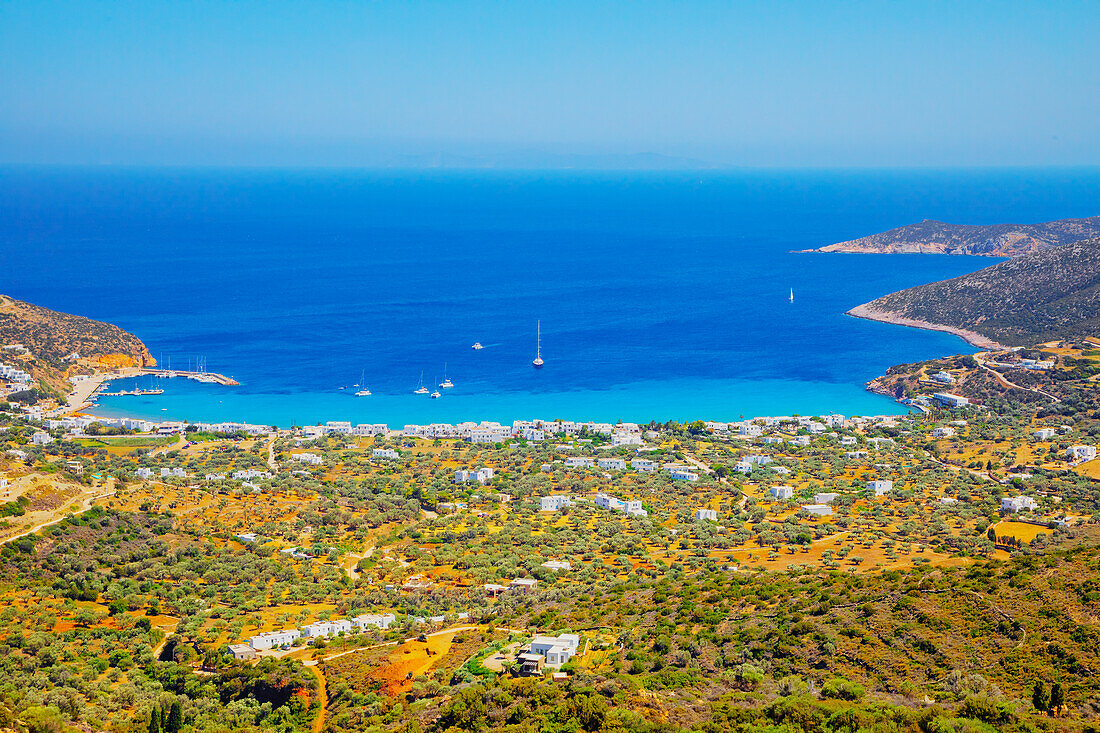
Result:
[{"x": 661, "y": 295}]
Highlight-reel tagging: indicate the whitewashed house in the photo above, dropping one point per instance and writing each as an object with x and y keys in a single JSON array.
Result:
[
  {"x": 1080, "y": 453},
  {"x": 384, "y": 453},
  {"x": 554, "y": 503},
  {"x": 644, "y": 464},
  {"x": 612, "y": 464},
  {"x": 781, "y": 492},
  {"x": 272, "y": 639},
  {"x": 682, "y": 474},
  {"x": 880, "y": 487},
  {"x": 1018, "y": 504},
  {"x": 379, "y": 621},
  {"x": 706, "y": 515}
]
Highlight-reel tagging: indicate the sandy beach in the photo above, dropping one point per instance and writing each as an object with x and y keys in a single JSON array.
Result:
[{"x": 971, "y": 337}]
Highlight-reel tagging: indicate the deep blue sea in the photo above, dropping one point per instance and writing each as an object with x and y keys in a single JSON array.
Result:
[{"x": 661, "y": 295}]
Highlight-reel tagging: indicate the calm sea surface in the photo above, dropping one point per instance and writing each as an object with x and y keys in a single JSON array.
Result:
[{"x": 661, "y": 295}]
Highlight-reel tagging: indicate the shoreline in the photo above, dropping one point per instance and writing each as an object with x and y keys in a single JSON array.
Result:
[{"x": 973, "y": 338}]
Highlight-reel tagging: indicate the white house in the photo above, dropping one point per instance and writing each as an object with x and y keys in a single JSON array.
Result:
[
  {"x": 848, "y": 440},
  {"x": 144, "y": 473},
  {"x": 523, "y": 585},
  {"x": 554, "y": 503},
  {"x": 380, "y": 621},
  {"x": 387, "y": 453},
  {"x": 270, "y": 639},
  {"x": 682, "y": 474},
  {"x": 612, "y": 464},
  {"x": 708, "y": 515},
  {"x": 311, "y": 458},
  {"x": 943, "y": 432},
  {"x": 41, "y": 439},
  {"x": 557, "y": 565},
  {"x": 880, "y": 487},
  {"x": 619, "y": 438},
  {"x": 943, "y": 378},
  {"x": 643, "y": 464},
  {"x": 579, "y": 462},
  {"x": 481, "y": 475},
  {"x": 821, "y": 510},
  {"x": 750, "y": 430},
  {"x": 326, "y": 628},
  {"x": 556, "y": 651},
  {"x": 1017, "y": 504},
  {"x": 781, "y": 492},
  {"x": 1045, "y": 433},
  {"x": 825, "y": 498},
  {"x": 1080, "y": 453}
]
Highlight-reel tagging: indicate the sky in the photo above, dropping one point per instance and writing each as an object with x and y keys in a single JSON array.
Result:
[{"x": 606, "y": 84}]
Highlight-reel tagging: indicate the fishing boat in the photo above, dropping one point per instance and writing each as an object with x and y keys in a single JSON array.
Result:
[
  {"x": 537, "y": 362},
  {"x": 421, "y": 389},
  {"x": 477, "y": 346},
  {"x": 446, "y": 383}
]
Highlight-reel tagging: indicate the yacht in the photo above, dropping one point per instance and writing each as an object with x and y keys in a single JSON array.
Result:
[
  {"x": 792, "y": 295},
  {"x": 435, "y": 395},
  {"x": 421, "y": 389},
  {"x": 364, "y": 392},
  {"x": 537, "y": 362},
  {"x": 477, "y": 346},
  {"x": 446, "y": 383}
]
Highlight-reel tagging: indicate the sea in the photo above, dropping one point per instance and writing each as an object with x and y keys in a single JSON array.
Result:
[{"x": 662, "y": 295}]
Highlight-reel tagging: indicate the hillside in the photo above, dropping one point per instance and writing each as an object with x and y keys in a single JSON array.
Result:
[
  {"x": 996, "y": 240},
  {"x": 1046, "y": 295},
  {"x": 51, "y": 340}
]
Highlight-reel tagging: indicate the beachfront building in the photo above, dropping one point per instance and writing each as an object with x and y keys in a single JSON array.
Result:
[
  {"x": 880, "y": 487},
  {"x": 554, "y": 503},
  {"x": 706, "y": 515},
  {"x": 947, "y": 399},
  {"x": 1080, "y": 453},
  {"x": 1018, "y": 504},
  {"x": 781, "y": 492},
  {"x": 274, "y": 639}
]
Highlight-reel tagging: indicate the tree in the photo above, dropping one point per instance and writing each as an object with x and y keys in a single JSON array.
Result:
[
  {"x": 991, "y": 535},
  {"x": 1057, "y": 697},
  {"x": 1040, "y": 698},
  {"x": 154, "y": 722}
]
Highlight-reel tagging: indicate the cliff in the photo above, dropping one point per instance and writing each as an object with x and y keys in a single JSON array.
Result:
[
  {"x": 1038, "y": 297},
  {"x": 996, "y": 240}
]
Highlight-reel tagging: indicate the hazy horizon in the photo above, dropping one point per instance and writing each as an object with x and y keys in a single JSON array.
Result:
[{"x": 611, "y": 85}]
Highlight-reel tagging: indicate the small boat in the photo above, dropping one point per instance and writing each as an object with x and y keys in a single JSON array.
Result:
[
  {"x": 477, "y": 346},
  {"x": 421, "y": 389},
  {"x": 435, "y": 395},
  {"x": 362, "y": 384},
  {"x": 538, "y": 362},
  {"x": 446, "y": 383},
  {"x": 792, "y": 295},
  {"x": 363, "y": 393}
]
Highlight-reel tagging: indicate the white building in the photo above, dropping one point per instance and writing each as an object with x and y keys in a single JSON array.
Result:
[
  {"x": 579, "y": 462},
  {"x": 781, "y": 493},
  {"x": 1017, "y": 504},
  {"x": 310, "y": 458},
  {"x": 41, "y": 439},
  {"x": 612, "y": 464},
  {"x": 619, "y": 438},
  {"x": 556, "y": 565},
  {"x": 682, "y": 474},
  {"x": 707, "y": 515},
  {"x": 271, "y": 639},
  {"x": 821, "y": 510},
  {"x": 1045, "y": 433},
  {"x": 326, "y": 628},
  {"x": 380, "y": 621},
  {"x": 943, "y": 432},
  {"x": 644, "y": 464},
  {"x": 385, "y": 453},
  {"x": 481, "y": 475},
  {"x": 556, "y": 651},
  {"x": 802, "y": 440},
  {"x": 1080, "y": 453},
  {"x": 880, "y": 487},
  {"x": 943, "y": 378},
  {"x": 144, "y": 473},
  {"x": 618, "y": 505},
  {"x": 825, "y": 498},
  {"x": 554, "y": 503},
  {"x": 950, "y": 400},
  {"x": 848, "y": 440}
]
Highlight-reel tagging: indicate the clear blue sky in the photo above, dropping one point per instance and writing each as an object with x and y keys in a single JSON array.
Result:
[{"x": 729, "y": 83}]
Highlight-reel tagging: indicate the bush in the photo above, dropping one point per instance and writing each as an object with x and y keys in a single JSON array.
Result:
[{"x": 839, "y": 688}]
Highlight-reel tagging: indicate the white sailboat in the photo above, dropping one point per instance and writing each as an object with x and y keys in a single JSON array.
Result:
[
  {"x": 477, "y": 346},
  {"x": 446, "y": 383},
  {"x": 792, "y": 295},
  {"x": 538, "y": 362},
  {"x": 420, "y": 388},
  {"x": 362, "y": 385}
]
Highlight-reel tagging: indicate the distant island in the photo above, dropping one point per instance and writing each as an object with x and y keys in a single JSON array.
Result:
[
  {"x": 994, "y": 240},
  {"x": 1038, "y": 297}
]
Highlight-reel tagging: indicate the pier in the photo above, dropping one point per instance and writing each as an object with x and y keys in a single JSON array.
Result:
[{"x": 210, "y": 377}]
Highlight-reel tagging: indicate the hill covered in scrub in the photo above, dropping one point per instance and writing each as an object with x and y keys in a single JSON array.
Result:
[
  {"x": 995, "y": 240},
  {"x": 54, "y": 342},
  {"x": 1043, "y": 296}
]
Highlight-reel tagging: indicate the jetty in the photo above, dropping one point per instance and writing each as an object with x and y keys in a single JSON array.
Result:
[{"x": 208, "y": 377}]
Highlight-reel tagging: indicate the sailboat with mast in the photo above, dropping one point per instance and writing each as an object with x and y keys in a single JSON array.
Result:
[
  {"x": 446, "y": 383},
  {"x": 420, "y": 388},
  {"x": 792, "y": 295},
  {"x": 363, "y": 391},
  {"x": 538, "y": 362}
]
